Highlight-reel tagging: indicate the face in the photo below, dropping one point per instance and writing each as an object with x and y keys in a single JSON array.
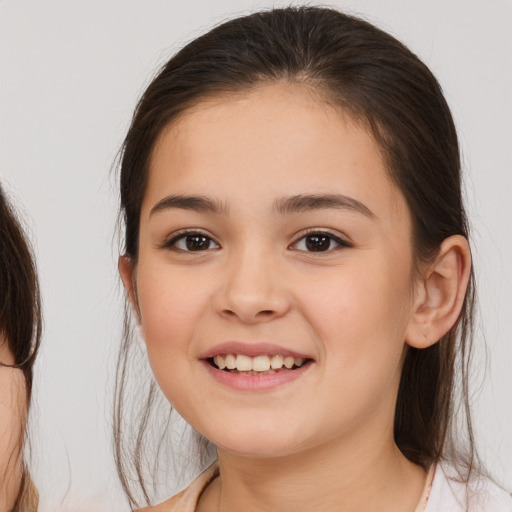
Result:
[
  {"x": 273, "y": 242},
  {"x": 12, "y": 419}
]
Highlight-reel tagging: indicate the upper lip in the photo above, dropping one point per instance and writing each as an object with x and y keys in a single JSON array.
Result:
[{"x": 251, "y": 350}]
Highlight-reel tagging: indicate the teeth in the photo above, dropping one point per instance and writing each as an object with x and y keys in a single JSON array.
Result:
[
  {"x": 288, "y": 362},
  {"x": 230, "y": 362},
  {"x": 261, "y": 363},
  {"x": 220, "y": 362},
  {"x": 276, "y": 362},
  {"x": 243, "y": 363}
]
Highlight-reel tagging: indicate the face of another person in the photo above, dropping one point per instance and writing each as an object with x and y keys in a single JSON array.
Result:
[
  {"x": 271, "y": 236},
  {"x": 12, "y": 419}
]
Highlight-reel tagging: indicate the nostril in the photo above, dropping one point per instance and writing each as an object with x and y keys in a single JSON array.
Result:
[{"x": 266, "y": 313}]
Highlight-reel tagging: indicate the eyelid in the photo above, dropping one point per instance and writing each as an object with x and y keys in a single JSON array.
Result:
[
  {"x": 170, "y": 240},
  {"x": 342, "y": 240}
]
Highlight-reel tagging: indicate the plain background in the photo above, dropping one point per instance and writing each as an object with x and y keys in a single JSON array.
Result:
[{"x": 70, "y": 74}]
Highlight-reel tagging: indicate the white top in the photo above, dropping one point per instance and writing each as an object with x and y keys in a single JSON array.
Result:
[{"x": 481, "y": 495}]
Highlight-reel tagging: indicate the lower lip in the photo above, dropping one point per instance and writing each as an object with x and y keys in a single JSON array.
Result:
[{"x": 242, "y": 382}]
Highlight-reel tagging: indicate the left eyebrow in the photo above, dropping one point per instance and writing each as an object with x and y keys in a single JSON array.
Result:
[
  {"x": 196, "y": 203},
  {"x": 306, "y": 203}
]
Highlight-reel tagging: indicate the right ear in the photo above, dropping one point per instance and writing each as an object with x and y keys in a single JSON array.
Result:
[{"x": 126, "y": 268}]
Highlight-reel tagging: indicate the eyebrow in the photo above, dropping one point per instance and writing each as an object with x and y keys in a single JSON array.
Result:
[
  {"x": 196, "y": 203},
  {"x": 293, "y": 204},
  {"x": 306, "y": 203}
]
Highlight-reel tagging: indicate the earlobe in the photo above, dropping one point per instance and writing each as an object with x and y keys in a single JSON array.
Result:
[
  {"x": 127, "y": 273},
  {"x": 440, "y": 294}
]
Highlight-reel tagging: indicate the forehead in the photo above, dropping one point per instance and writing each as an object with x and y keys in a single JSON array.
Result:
[{"x": 271, "y": 139}]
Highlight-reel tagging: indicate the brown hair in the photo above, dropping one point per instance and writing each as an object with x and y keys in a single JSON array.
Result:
[
  {"x": 385, "y": 87},
  {"x": 20, "y": 310}
]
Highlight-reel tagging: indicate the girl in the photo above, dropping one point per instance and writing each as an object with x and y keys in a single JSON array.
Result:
[
  {"x": 20, "y": 332},
  {"x": 296, "y": 257}
]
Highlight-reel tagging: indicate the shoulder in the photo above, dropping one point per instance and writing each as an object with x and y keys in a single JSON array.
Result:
[
  {"x": 450, "y": 494},
  {"x": 168, "y": 505},
  {"x": 171, "y": 505},
  {"x": 186, "y": 500}
]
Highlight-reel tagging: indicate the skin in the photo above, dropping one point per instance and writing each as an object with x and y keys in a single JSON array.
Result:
[
  {"x": 325, "y": 440},
  {"x": 12, "y": 420}
]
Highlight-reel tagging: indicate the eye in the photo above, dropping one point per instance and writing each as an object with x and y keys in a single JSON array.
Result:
[
  {"x": 191, "y": 242},
  {"x": 319, "y": 242}
]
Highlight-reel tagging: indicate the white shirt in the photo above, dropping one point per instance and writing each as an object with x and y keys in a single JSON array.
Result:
[{"x": 479, "y": 495}]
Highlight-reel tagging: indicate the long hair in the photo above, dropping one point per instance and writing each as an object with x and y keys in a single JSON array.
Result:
[
  {"x": 380, "y": 83},
  {"x": 20, "y": 315}
]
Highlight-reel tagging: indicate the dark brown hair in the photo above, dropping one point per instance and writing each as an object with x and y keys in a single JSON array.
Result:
[
  {"x": 385, "y": 87},
  {"x": 20, "y": 308}
]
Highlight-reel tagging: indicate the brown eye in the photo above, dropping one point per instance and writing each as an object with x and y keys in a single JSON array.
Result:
[
  {"x": 191, "y": 242},
  {"x": 197, "y": 242},
  {"x": 316, "y": 243},
  {"x": 319, "y": 242}
]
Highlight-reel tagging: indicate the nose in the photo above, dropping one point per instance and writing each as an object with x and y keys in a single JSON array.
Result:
[{"x": 252, "y": 290}]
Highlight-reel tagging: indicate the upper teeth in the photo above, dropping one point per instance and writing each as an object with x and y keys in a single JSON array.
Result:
[{"x": 259, "y": 363}]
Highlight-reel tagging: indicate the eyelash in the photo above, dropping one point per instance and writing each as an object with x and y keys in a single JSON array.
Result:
[
  {"x": 340, "y": 242},
  {"x": 183, "y": 235}
]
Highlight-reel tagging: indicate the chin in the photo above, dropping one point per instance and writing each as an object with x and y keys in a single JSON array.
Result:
[{"x": 257, "y": 443}]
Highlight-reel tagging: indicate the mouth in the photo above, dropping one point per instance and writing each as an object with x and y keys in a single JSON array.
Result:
[
  {"x": 255, "y": 367},
  {"x": 241, "y": 364}
]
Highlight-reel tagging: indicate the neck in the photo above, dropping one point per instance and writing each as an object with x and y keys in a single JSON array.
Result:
[{"x": 339, "y": 476}]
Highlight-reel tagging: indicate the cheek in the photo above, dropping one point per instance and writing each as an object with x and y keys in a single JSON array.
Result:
[
  {"x": 361, "y": 314},
  {"x": 170, "y": 309},
  {"x": 13, "y": 414},
  {"x": 360, "y": 321}
]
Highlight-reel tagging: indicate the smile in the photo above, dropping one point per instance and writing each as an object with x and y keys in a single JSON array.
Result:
[
  {"x": 258, "y": 365},
  {"x": 254, "y": 367}
]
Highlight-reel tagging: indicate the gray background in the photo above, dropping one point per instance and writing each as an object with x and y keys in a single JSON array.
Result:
[{"x": 70, "y": 74}]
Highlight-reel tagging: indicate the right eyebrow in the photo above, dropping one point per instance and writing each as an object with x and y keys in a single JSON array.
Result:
[
  {"x": 196, "y": 203},
  {"x": 305, "y": 203}
]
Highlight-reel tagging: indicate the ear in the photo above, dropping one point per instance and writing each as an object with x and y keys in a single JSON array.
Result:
[
  {"x": 126, "y": 268},
  {"x": 440, "y": 293}
]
